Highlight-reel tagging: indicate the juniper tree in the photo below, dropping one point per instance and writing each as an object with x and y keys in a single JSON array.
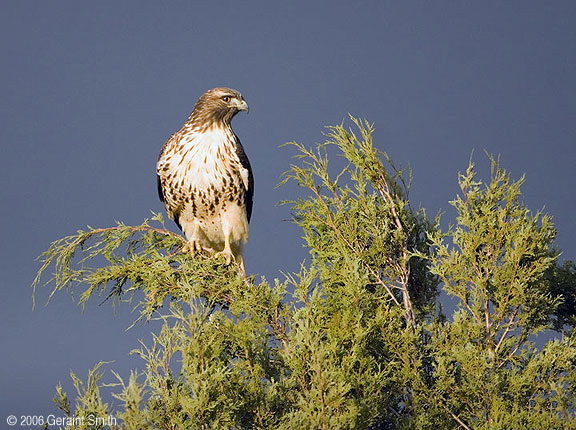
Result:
[{"x": 357, "y": 338}]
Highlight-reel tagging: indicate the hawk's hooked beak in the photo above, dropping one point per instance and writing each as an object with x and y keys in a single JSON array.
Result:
[{"x": 241, "y": 105}]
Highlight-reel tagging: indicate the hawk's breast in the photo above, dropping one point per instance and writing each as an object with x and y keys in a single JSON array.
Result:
[{"x": 205, "y": 183}]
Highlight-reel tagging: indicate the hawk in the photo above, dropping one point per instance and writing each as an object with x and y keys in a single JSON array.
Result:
[{"x": 205, "y": 179}]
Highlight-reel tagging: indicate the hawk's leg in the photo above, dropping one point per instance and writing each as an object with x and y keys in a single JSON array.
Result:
[
  {"x": 240, "y": 260},
  {"x": 193, "y": 245},
  {"x": 227, "y": 251},
  {"x": 231, "y": 257}
]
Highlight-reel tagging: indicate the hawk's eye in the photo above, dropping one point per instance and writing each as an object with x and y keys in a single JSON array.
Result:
[{"x": 226, "y": 98}]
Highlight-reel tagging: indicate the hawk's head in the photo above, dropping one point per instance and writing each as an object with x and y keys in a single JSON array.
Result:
[{"x": 218, "y": 105}]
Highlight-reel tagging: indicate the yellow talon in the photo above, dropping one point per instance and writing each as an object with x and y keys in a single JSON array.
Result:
[{"x": 227, "y": 256}]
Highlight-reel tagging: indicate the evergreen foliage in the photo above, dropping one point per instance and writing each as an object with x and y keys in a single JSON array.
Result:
[{"x": 356, "y": 339}]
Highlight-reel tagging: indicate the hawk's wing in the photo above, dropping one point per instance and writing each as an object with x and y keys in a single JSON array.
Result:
[
  {"x": 172, "y": 212},
  {"x": 249, "y": 195},
  {"x": 160, "y": 192},
  {"x": 158, "y": 180}
]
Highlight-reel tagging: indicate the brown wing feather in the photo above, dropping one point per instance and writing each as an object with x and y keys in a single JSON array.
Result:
[
  {"x": 160, "y": 191},
  {"x": 249, "y": 195}
]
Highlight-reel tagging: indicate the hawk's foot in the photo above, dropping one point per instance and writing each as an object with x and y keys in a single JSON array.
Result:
[
  {"x": 228, "y": 256},
  {"x": 193, "y": 247}
]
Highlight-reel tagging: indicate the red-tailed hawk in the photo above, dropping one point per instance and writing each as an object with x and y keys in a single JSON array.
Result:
[{"x": 205, "y": 179}]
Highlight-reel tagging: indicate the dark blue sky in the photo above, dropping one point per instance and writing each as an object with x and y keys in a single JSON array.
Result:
[{"x": 89, "y": 91}]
